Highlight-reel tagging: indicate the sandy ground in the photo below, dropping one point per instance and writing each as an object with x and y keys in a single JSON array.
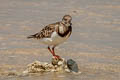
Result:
[{"x": 94, "y": 43}]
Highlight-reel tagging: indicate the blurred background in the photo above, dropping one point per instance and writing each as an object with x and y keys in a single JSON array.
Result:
[{"x": 94, "y": 43}]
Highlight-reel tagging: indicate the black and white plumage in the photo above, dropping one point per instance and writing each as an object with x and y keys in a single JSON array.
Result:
[{"x": 55, "y": 34}]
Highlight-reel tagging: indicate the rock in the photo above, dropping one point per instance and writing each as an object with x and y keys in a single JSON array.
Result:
[
  {"x": 37, "y": 66},
  {"x": 72, "y": 65},
  {"x": 56, "y": 65}
]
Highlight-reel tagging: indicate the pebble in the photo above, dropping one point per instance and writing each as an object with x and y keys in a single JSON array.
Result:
[{"x": 72, "y": 65}]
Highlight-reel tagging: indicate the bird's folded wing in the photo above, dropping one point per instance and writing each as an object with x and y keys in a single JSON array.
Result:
[{"x": 44, "y": 33}]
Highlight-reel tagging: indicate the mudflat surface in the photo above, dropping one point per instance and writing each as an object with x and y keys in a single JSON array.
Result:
[{"x": 94, "y": 43}]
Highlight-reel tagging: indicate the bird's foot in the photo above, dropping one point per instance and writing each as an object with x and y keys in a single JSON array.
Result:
[{"x": 57, "y": 57}]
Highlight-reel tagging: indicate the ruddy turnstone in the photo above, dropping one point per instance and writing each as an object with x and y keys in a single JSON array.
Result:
[{"x": 54, "y": 34}]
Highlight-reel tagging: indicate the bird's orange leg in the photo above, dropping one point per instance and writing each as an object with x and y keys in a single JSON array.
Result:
[
  {"x": 56, "y": 56},
  {"x": 53, "y": 53},
  {"x": 50, "y": 50}
]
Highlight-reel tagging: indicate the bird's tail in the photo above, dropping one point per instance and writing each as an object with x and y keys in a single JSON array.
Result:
[{"x": 31, "y": 36}]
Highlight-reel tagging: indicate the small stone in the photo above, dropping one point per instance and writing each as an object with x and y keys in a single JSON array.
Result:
[
  {"x": 55, "y": 66},
  {"x": 72, "y": 65},
  {"x": 53, "y": 70},
  {"x": 60, "y": 63},
  {"x": 67, "y": 70}
]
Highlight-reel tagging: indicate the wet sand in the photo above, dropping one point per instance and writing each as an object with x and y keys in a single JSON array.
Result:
[{"x": 94, "y": 43}]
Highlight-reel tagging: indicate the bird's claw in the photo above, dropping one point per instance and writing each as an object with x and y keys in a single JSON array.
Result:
[{"x": 57, "y": 57}]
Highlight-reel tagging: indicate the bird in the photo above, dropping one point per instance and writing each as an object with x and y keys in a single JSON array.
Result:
[{"x": 54, "y": 34}]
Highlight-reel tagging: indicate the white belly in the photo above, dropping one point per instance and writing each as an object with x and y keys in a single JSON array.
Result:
[{"x": 54, "y": 40}]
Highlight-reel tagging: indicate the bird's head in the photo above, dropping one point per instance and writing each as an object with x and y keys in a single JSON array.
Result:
[{"x": 66, "y": 19}]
